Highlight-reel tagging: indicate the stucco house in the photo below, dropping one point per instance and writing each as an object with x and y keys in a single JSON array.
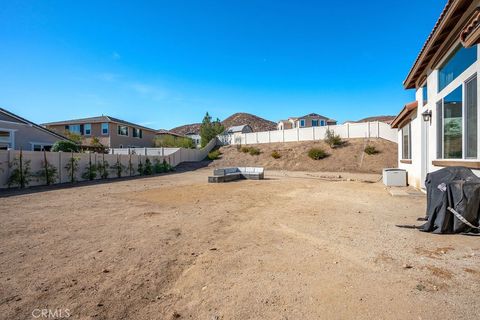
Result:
[
  {"x": 441, "y": 127},
  {"x": 309, "y": 120},
  {"x": 19, "y": 133},
  {"x": 111, "y": 132}
]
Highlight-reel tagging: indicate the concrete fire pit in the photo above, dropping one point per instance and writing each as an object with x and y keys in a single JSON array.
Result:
[{"x": 236, "y": 173}]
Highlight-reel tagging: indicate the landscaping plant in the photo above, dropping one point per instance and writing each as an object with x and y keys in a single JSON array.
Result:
[
  {"x": 214, "y": 155},
  {"x": 276, "y": 155},
  {"x": 65, "y": 146},
  {"x": 49, "y": 171},
  {"x": 72, "y": 167},
  {"x": 118, "y": 167},
  {"x": 371, "y": 150},
  {"x": 130, "y": 165},
  {"x": 140, "y": 166},
  {"x": 90, "y": 172},
  {"x": 148, "y": 169},
  {"x": 317, "y": 153},
  {"x": 170, "y": 141},
  {"x": 103, "y": 167},
  {"x": 21, "y": 174},
  {"x": 254, "y": 151},
  {"x": 332, "y": 139}
]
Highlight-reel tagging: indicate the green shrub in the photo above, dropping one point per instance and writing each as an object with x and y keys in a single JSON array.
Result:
[
  {"x": 140, "y": 167},
  {"x": 254, "y": 151},
  {"x": 90, "y": 172},
  {"x": 371, "y": 150},
  {"x": 103, "y": 169},
  {"x": 72, "y": 168},
  {"x": 245, "y": 149},
  {"x": 21, "y": 174},
  {"x": 65, "y": 146},
  {"x": 170, "y": 141},
  {"x": 276, "y": 155},
  {"x": 48, "y": 173},
  {"x": 317, "y": 153},
  {"x": 148, "y": 169},
  {"x": 118, "y": 167},
  {"x": 332, "y": 139},
  {"x": 214, "y": 155}
]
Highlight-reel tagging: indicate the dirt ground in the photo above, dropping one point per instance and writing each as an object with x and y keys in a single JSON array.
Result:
[
  {"x": 293, "y": 246},
  {"x": 294, "y": 156}
]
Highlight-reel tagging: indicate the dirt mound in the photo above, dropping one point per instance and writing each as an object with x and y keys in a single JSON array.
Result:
[
  {"x": 236, "y": 119},
  {"x": 294, "y": 156}
]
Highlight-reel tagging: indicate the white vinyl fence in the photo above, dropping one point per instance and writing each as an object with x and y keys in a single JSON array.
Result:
[
  {"x": 60, "y": 160},
  {"x": 350, "y": 130}
]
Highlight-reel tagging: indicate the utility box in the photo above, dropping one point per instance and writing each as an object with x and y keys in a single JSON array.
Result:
[{"x": 395, "y": 177}]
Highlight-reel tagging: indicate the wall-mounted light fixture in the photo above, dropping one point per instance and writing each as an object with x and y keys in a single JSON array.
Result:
[{"x": 427, "y": 115}]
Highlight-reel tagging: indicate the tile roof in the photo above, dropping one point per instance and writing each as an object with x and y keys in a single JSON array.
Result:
[
  {"x": 402, "y": 116},
  {"x": 99, "y": 119}
]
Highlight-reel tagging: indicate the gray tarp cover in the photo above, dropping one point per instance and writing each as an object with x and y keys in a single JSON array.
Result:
[{"x": 455, "y": 187}]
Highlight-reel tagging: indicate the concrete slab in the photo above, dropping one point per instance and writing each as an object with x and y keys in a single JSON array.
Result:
[{"x": 405, "y": 192}]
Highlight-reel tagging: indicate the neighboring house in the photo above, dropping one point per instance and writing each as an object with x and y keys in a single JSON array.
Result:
[
  {"x": 111, "y": 132},
  {"x": 309, "y": 120},
  {"x": 19, "y": 133},
  {"x": 239, "y": 129},
  {"x": 197, "y": 139},
  {"x": 441, "y": 127},
  {"x": 163, "y": 132}
]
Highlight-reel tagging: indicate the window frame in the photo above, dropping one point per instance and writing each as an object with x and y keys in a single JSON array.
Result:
[
  {"x": 137, "y": 133},
  {"x": 457, "y": 46},
  {"x": 322, "y": 123},
  {"x": 118, "y": 130},
  {"x": 301, "y": 123},
  {"x": 107, "y": 127},
  {"x": 75, "y": 125},
  {"x": 87, "y": 126},
  {"x": 409, "y": 146},
  {"x": 317, "y": 123}
]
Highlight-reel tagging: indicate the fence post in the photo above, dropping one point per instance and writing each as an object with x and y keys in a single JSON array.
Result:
[
  {"x": 283, "y": 135},
  {"x": 368, "y": 128},
  {"x": 378, "y": 129},
  {"x": 298, "y": 134},
  {"x": 245, "y": 138},
  {"x": 256, "y": 136},
  {"x": 313, "y": 133},
  {"x": 348, "y": 130},
  {"x": 269, "y": 138}
]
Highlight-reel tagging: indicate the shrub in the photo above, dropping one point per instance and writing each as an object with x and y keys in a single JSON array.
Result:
[
  {"x": 118, "y": 167},
  {"x": 148, "y": 169},
  {"x": 140, "y": 167},
  {"x": 214, "y": 155},
  {"x": 65, "y": 146},
  {"x": 90, "y": 172},
  {"x": 49, "y": 171},
  {"x": 21, "y": 174},
  {"x": 169, "y": 141},
  {"x": 317, "y": 153},
  {"x": 332, "y": 139},
  {"x": 371, "y": 150},
  {"x": 276, "y": 155},
  {"x": 245, "y": 149},
  {"x": 103, "y": 167},
  {"x": 254, "y": 151},
  {"x": 72, "y": 168}
]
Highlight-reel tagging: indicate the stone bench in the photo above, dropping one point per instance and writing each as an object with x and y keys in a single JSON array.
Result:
[{"x": 236, "y": 173}]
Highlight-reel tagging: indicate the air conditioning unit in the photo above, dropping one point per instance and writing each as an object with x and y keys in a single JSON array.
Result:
[{"x": 393, "y": 177}]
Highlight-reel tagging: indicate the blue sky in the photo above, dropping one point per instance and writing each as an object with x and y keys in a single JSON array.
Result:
[{"x": 165, "y": 63}]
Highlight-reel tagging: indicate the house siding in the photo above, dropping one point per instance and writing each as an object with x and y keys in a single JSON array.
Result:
[{"x": 26, "y": 135}]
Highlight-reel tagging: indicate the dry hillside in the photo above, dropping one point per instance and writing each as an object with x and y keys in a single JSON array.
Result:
[
  {"x": 349, "y": 158},
  {"x": 236, "y": 119}
]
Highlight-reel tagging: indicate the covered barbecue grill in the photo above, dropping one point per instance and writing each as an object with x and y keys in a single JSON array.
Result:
[{"x": 453, "y": 201}]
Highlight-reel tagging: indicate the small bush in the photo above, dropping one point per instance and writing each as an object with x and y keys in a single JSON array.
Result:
[
  {"x": 245, "y": 149},
  {"x": 371, "y": 150},
  {"x": 65, "y": 146},
  {"x": 214, "y": 155},
  {"x": 276, "y": 155},
  {"x": 317, "y": 153},
  {"x": 254, "y": 151},
  {"x": 332, "y": 139},
  {"x": 148, "y": 168}
]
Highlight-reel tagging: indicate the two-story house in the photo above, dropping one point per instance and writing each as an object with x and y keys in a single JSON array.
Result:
[
  {"x": 110, "y": 131},
  {"x": 441, "y": 127},
  {"x": 309, "y": 120}
]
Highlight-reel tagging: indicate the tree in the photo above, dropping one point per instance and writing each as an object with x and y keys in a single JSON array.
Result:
[
  {"x": 72, "y": 136},
  {"x": 209, "y": 130}
]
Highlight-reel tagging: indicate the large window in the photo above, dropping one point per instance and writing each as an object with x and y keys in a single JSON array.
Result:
[
  {"x": 407, "y": 142},
  {"x": 425, "y": 94},
  {"x": 5, "y": 139},
  {"x": 122, "y": 130},
  {"x": 74, "y": 128},
  {"x": 459, "y": 61},
  {"x": 315, "y": 123},
  {"x": 457, "y": 124},
  {"x": 302, "y": 123}
]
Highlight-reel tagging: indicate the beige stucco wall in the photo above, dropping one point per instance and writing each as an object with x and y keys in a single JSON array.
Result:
[{"x": 25, "y": 135}]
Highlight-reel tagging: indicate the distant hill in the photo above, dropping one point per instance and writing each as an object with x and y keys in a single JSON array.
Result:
[{"x": 237, "y": 119}]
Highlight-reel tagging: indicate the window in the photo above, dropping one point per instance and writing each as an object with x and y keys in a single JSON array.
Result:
[
  {"x": 74, "y": 128},
  {"x": 471, "y": 116},
  {"x": 459, "y": 61},
  {"x": 6, "y": 139},
  {"x": 122, "y": 130},
  {"x": 302, "y": 123},
  {"x": 41, "y": 147},
  {"x": 407, "y": 142},
  {"x": 425, "y": 94},
  {"x": 322, "y": 123},
  {"x": 314, "y": 123},
  {"x": 137, "y": 133},
  {"x": 105, "y": 128},
  {"x": 87, "y": 129}
]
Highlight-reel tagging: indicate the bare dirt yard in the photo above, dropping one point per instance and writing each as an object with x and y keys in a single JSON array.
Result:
[
  {"x": 294, "y": 246},
  {"x": 294, "y": 156}
]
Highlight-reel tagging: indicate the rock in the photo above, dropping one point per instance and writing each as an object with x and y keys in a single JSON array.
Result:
[
  {"x": 105, "y": 271},
  {"x": 100, "y": 250},
  {"x": 176, "y": 315},
  {"x": 407, "y": 266},
  {"x": 99, "y": 304},
  {"x": 213, "y": 249}
]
